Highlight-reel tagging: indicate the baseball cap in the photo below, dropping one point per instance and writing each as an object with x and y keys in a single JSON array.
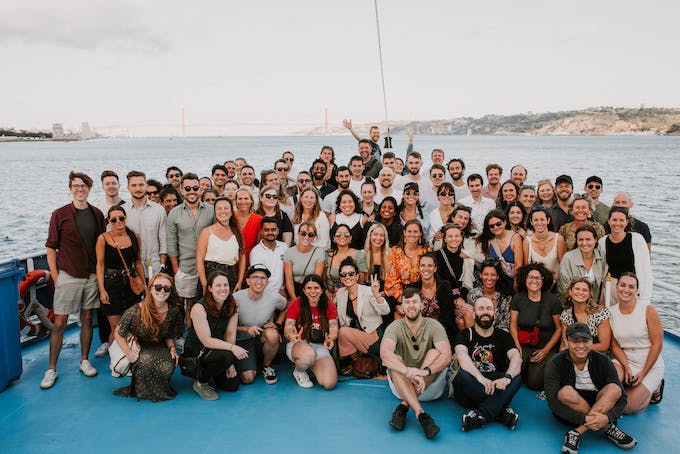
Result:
[
  {"x": 579, "y": 331},
  {"x": 411, "y": 185},
  {"x": 258, "y": 267},
  {"x": 563, "y": 179}
]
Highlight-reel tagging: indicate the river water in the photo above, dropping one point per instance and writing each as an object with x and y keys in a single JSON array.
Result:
[{"x": 34, "y": 175}]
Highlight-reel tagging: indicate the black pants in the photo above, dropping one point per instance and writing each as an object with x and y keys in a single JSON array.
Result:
[{"x": 214, "y": 365}]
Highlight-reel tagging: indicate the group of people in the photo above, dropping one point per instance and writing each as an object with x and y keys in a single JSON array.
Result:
[{"x": 405, "y": 266}]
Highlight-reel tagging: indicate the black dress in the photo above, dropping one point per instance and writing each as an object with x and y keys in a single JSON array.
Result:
[{"x": 116, "y": 282}]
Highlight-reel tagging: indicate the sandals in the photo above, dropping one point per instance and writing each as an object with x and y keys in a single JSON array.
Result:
[{"x": 658, "y": 394}]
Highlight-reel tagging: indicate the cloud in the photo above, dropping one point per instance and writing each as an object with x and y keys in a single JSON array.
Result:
[{"x": 87, "y": 25}]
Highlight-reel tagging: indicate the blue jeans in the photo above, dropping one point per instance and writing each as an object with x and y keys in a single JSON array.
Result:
[{"x": 470, "y": 393}]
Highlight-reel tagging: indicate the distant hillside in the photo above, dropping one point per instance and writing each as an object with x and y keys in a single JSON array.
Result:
[{"x": 592, "y": 121}]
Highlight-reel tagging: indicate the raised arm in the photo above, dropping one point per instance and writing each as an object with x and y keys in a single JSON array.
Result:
[{"x": 347, "y": 123}]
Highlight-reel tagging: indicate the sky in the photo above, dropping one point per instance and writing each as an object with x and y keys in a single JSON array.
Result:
[{"x": 271, "y": 67}]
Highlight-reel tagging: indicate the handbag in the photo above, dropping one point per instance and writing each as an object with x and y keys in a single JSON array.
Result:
[
  {"x": 528, "y": 337},
  {"x": 507, "y": 267},
  {"x": 119, "y": 363},
  {"x": 136, "y": 282},
  {"x": 365, "y": 367},
  {"x": 190, "y": 366}
]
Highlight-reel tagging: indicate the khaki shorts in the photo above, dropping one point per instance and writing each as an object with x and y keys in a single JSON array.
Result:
[
  {"x": 73, "y": 294},
  {"x": 432, "y": 392},
  {"x": 185, "y": 284}
]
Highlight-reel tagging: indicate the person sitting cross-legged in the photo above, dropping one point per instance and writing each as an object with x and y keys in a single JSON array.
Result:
[
  {"x": 583, "y": 389},
  {"x": 489, "y": 375}
]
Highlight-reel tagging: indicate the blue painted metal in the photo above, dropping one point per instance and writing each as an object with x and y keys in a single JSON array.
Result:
[{"x": 10, "y": 347}]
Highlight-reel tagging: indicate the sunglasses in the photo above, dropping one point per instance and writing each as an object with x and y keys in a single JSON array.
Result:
[
  {"x": 282, "y": 169},
  {"x": 349, "y": 273},
  {"x": 116, "y": 220},
  {"x": 445, "y": 194},
  {"x": 416, "y": 347},
  {"x": 411, "y": 192},
  {"x": 174, "y": 175},
  {"x": 162, "y": 288},
  {"x": 270, "y": 196},
  {"x": 304, "y": 180},
  {"x": 343, "y": 234},
  {"x": 437, "y": 175},
  {"x": 308, "y": 234},
  {"x": 151, "y": 192},
  {"x": 496, "y": 224},
  {"x": 192, "y": 188},
  {"x": 594, "y": 186}
]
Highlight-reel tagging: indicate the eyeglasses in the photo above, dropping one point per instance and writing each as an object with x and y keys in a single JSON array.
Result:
[
  {"x": 282, "y": 169},
  {"x": 270, "y": 196},
  {"x": 162, "y": 288},
  {"x": 594, "y": 186},
  {"x": 343, "y": 234},
  {"x": 151, "y": 192},
  {"x": 496, "y": 224},
  {"x": 79, "y": 186},
  {"x": 304, "y": 180},
  {"x": 411, "y": 192},
  {"x": 348, "y": 274},
  {"x": 174, "y": 175},
  {"x": 319, "y": 168},
  {"x": 117, "y": 220},
  {"x": 308, "y": 234},
  {"x": 534, "y": 278},
  {"x": 192, "y": 188},
  {"x": 258, "y": 278},
  {"x": 416, "y": 347},
  {"x": 446, "y": 194}
]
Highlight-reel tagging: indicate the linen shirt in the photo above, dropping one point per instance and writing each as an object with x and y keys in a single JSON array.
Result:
[{"x": 183, "y": 231}]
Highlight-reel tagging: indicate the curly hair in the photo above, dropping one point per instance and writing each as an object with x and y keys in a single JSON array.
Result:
[
  {"x": 591, "y": 306},
  {"x": 522, "y": 273}
]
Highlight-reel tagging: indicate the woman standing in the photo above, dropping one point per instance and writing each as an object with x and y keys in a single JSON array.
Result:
[
  {"x": 302, "y": 260},
  {"x": 212, "y": 338},
  {"x": 368, "y": 205},
  {"x": 410, "y": 207},
  {"x": 440, "y": 216},
  {"x": 220, "y": 247},
  {"x": 637, "y": 344},
  {"x": 340, "y": 252},
  {"x": 546, "y": 194},
  {"x": 495, "y": 289},
  {"x": 308, "y": 208},
  {"x": 626, "y": 252},
  {"x": 581, "y": 210},
  {"x": 453, "y": 266},
  {"x": 580, "y": 307},
  {"x": 111, "y": 249},
  {"x": 543, "y": 246},
  {"x": 508, "y": 193},
  {"x": 498, "y": 242},
  {"x": 517, "y": 217},
  {"x": 404, "y": 260},
  {"x": 387, "y": 216},
  {"x": 347, "y": 212},
  {"x": 269, "y": 207},
  {"x": 155, "y": 322},
  {"x": 248, "y": 221},
  {"x": 360, "y": 311},
  {"x": 377, "y": 251},
  {"x": 585, "y": 261},
  {"x": 286, "y": 203},
  {"x": 311, "y": 331},
  {"x": 535, "y": 322},
  {"x": 328, "y": 156}
]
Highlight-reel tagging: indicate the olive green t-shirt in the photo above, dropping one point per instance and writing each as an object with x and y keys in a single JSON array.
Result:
[{"x": 412, "y": 348}]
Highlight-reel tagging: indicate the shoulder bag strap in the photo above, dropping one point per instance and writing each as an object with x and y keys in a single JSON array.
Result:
[
  {"x": 127, "y": 270},
  {"x": 448, "y": 265},
  {"x": 304, "y": 272}
]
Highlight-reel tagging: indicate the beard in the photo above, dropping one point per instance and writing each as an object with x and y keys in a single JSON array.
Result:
[
  {"x": 413, "y": 171},
  {"x": 484, "y": 324}
]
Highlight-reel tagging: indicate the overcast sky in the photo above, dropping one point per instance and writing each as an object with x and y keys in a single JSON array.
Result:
[{"x": 272, "y": 67}]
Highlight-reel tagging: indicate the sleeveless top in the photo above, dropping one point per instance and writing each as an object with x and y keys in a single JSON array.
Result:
[
  {"x": 221, "y": 251},
  {"x": 355, "y": 229},
  {"x": 112, "y": 258},
  {"x": 620, "y": 257},
  {"x": 630, "y": 330},
  {"x": 551, "y": 260},
  {"x": 218, "y": 326},
  {"x": 508, "y": 253}
]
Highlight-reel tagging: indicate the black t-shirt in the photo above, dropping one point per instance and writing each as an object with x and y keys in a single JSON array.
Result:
[
  {"x": 489, "y": 354},
  {"x": 530, "y": 312},
  {"x": 87, "y": 227}
]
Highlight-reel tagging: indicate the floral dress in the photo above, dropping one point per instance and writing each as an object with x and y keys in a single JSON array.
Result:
[
  {"x": 402, "y": 271},
  {"x": 152, "y": 371},
  {"x": 567, "y": 317}
]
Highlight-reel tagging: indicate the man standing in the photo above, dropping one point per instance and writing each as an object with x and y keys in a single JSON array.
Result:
[
  {"x": 480, "y": 205},
  {"x": 416, "y": 351},
  {"x": 231, "y": 169},
  {"x": 148, "y": 220},
  {"x": 623, "y": 199},
  {"x": 594, "y": 189},
  {"x": 219, "y": 178},
  {"x": 456, "y": 168},
  {"x": 414, "y": 162},
  {"x": 559, "y": 212},
  {"x": 518, "y": 174},
  {"x": 489, "y": 375},
  {"x": 356, "y": 169},
  {"x": 343, "y": 178},
  {"x": 185, "y": 222},
  {"x": 256, "y": 330},
  {"x": 372, "y": 165},
  {"x": 173, "y": 175},
  {"x": 111, "y": 187},
  {"x": 386, "y": 186},
  {"x": 269, "y": 252},
  {"x": 373, "y": 135},
  {"x": 428, "y": 192},
  {"x": 71, "y": 257},
  {"x": 583, "y": 389},
  {"x": 493, "y": 177},
  {"x": 388, "y": 160},
  {"x": 318, "y": 171}
]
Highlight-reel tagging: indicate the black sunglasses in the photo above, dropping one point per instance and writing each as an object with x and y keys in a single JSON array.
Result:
[
  {"x": 309, "y": 234},
  {"x": 282, "y": 169},
  {"x": 164, "y": 288},
  {"x": 270, "y": 196},
  {"x": 116, "y": 220},
  {"x": 496, "y": 224},
  {"x": 151, "y": 192},
  {"x": 349, "y": 273},
  {"x": 416, "y": 347},
  {"x": 192, "y": 188},
  {"x": 594, "y": 186}
]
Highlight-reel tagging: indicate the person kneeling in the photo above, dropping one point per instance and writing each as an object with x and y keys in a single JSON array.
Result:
[
  {"x": 416, "y": 352},
  {"x": 583, "y": 389},
  {"x": 489, "y": 375},
  {"x": 212, "y": 338}
]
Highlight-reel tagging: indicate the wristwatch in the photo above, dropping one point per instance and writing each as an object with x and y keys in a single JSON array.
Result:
[
  {"x": 508, "y": 376},
  {"x": 429, "y": 371}
]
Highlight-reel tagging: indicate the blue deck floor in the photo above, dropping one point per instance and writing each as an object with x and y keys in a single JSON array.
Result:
[{"x": 81, "y": 415}]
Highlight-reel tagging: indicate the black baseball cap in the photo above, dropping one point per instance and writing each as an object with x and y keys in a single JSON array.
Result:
[
  {"x": 594, "y": 178},
  {"x": 411, "y": 185},
  {"x": 258, "y": 267},
  {"x": 563, "y": 179},
  {"x": 579, "y": 331}
]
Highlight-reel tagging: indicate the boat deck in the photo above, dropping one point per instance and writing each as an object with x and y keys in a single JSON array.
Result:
[{"x": 82, "y": 415}]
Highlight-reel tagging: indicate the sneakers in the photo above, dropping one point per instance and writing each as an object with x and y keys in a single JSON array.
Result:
[
  {"x": 302, "y": 378},
  {"x": 398, "y": 421},
  {"x": 87, "y": 369},
  {"x": 48, "y": 379},
  {"x": 205, "y": 391},
  {"x": 269, "y": 375},
  {"x": 620, "y": 438},
  {"x": 429, "y": 427},
  {"x": 509, "y": 418},
  {"x": 471, "y": 420},
  {"x": 541, "y": 396},
  {"x": 102, "y": 351},
  {"x": 571, "y": 441}
]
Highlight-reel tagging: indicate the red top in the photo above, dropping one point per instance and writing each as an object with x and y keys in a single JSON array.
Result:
[
  {"x": 250, "y": 232},
  {"x": 294, "y": 314}
]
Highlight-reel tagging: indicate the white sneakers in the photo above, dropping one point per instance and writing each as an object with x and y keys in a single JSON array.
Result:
[
  {"x": 48, "y": 379},
  {"x": 87, "y": 369},
  {"x": 302, "y": 378},
  {"x": 102, "y": 351}
]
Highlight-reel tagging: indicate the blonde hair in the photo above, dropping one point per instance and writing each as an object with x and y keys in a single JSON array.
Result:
[
  {"x": 297, "y": 217},
  {"x": 250, "y": 194},
  {"x": 384, "y": 254}
]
